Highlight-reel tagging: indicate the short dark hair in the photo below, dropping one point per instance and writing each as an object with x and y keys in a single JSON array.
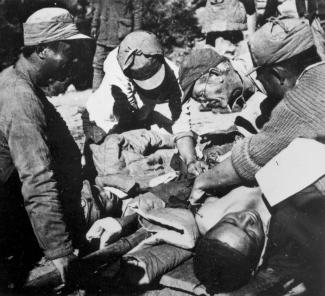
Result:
[{"x": 220, "y": 267}]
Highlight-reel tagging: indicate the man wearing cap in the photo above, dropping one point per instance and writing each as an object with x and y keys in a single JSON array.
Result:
[
  {"x": 138, "y": 78},
  {"x": 212, "y": 84},
  {"x": 40, "y": 162},
  {"x": 290, "y": 70},
  {"x": 138, "y": 83}
]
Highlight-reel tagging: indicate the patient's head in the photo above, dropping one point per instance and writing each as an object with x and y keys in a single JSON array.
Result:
[{"x": 229, "y": 252}]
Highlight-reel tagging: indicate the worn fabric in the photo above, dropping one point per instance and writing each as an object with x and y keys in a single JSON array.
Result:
[
  {"x": 118, "y": 99},
  {"x": 226, "y": 15},
  {"x": 170, "y": 225},
  {"x": 146, "y": 265},
  {"x": 36, "y": 143},
  {"x": 279, "y": 40},
  {"x": 300, "y": 9},
  {"x": 49, "y": 25},
  {"x": 133, "y": 156},
  {"x": 115, "y": 19},
  {"x": 137, "y": 53},
  {"x": 299, "y": 114}
]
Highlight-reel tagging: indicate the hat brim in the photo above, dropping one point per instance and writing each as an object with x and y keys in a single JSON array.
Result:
[
  {"x": 77, "y": 36},
  {"x": 154, "y": 81}
]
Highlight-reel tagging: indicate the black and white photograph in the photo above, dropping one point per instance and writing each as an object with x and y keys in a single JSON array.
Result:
[{"x": 162, "y": 147}]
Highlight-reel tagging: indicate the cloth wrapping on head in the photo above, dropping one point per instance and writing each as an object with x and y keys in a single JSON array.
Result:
[
  {"x": 144, "y": 266},
  {"x": 136, "y": 51},
  {"x": 196, "y": 64},
  {"x": 280, "y": 39},
  {"x": 49, "y": 25},
  {"x": 170, "y": 225}
]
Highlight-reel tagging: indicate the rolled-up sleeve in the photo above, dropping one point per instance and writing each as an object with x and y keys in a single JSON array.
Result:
[
  {"x": 31, "y": 156},
  {"x": 182, "y": 126}
]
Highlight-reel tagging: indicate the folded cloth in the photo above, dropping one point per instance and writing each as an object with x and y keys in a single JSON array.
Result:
[
  {"x": 136, "y": 156},
  {"x": 146, "y": 202},
  {"x": 144, "y": 266},
  {"x": 120, "y": 181},
  {"x": 170, "y": 225}
]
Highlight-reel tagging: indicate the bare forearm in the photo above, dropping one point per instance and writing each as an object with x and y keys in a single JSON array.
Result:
[
  {"x": 221, "y": 175},
  {"x": 186, "y": 148}
]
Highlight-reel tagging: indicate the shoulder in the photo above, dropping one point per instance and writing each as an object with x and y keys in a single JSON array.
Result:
[
  {"x": 313, "y": 72},
  {"x": 173, "y": 66}
]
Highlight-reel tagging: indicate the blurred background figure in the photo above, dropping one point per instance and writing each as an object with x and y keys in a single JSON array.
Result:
[
  {"x": 112, "y": 21},
  {"x": 228, "y": 19}
]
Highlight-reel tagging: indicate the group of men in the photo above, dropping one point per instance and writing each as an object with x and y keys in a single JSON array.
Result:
[{"x": 41, "y": 164}]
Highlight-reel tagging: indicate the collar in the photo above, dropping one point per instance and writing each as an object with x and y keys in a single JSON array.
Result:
[{"x": 24, "y": 68}]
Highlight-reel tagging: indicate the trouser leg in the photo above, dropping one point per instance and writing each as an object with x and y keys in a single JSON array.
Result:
[{"x": 98, "y": 62}]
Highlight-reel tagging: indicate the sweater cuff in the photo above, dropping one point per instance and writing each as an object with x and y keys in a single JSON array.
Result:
[
  {"x": 60, "y": 252},
  {"x": 244, "y": 165}
]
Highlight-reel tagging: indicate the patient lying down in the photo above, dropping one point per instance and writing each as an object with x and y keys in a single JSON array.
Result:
[
  {"x": 229, "y": 251},
  {"x": 233, "y": 230}
]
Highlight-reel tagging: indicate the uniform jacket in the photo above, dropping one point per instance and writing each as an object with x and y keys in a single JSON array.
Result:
[
  {"x": 115, "y": 19},
  {"x": 36, "y": 143}
]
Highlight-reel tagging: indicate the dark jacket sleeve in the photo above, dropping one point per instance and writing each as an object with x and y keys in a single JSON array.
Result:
[
  {"x": 138, "y": 14},
  {"x": 31, "y": 156}
]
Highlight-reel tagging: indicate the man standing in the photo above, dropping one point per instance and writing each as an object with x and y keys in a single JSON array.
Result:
[
  {"x": 112, "y": 21},
  {"x": 40, "y": 162}
]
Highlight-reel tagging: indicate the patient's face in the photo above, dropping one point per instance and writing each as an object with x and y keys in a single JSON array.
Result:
[
  {"x": 218, "y": 87},
  {"x": 242, "y": 231}
]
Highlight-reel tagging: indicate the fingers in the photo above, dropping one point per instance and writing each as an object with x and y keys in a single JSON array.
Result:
[
  {"x": 196, "y": 195},
  {"x": 197, "y": 168}
]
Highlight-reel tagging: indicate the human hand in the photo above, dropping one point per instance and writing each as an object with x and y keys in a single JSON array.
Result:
[
  {"x": 107, "y": 230},
  {"x": 63, "y": 265},
  {"x": 93, "y": 32},
  {"x": 197, "y": 167},
  {"x": 197, "y": 190}
]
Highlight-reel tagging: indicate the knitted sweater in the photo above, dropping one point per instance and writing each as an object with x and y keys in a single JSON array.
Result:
[{"x": 300, "y": 114}]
